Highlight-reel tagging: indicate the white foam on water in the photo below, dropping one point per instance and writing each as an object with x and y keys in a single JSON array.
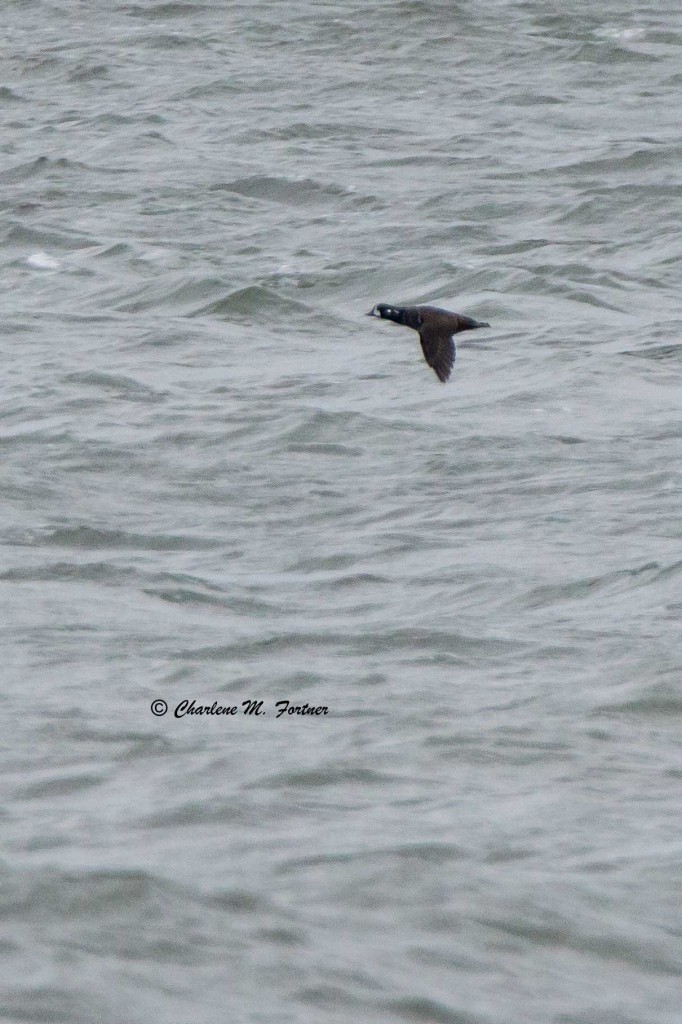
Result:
[{"x": 42, "y": 261}]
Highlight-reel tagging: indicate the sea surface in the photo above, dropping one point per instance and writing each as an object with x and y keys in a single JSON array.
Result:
[{"x": 220, "y": 484}]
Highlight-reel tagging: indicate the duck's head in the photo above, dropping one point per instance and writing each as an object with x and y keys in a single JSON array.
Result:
[{"x": 386, "y": 312}]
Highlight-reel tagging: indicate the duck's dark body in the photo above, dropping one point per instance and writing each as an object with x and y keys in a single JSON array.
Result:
[{"x": 436, "y": 328}]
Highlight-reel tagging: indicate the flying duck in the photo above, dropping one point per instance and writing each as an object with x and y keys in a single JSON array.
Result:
[{"x": 436, "y": 328}]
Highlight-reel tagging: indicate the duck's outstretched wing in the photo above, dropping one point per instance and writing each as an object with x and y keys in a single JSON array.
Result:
[{"x": 438, "y": 347}]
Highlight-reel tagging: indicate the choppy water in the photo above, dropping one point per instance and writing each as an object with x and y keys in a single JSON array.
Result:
[{"x": 220, "y": 482}]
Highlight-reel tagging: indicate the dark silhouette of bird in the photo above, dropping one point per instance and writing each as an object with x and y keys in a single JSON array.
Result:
[{"x": 436, "y": 328}]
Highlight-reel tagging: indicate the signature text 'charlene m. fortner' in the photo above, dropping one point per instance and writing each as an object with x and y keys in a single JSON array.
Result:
[{"x": 253, "y": 708}]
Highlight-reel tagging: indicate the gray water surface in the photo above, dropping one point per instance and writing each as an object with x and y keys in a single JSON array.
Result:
[{"x": 221, "y": 483}]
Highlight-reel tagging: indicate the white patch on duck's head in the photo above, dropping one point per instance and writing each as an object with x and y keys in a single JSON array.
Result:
[{"x": 383, "y": 311}]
